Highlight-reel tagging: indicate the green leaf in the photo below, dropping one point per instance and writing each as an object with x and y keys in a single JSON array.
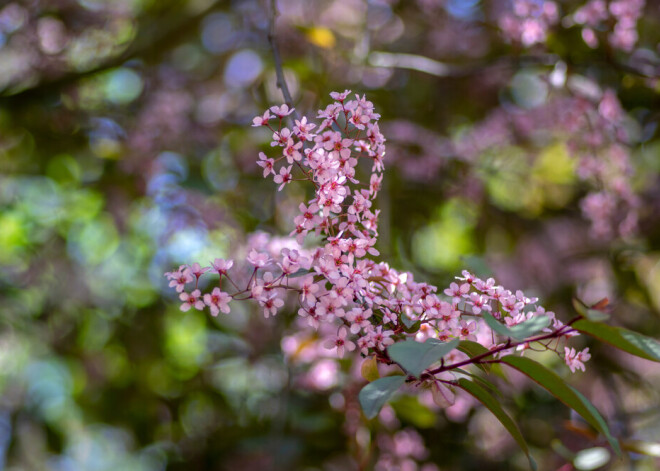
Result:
[
  {"x": 375, "y": 394},
  {"x": 407, "y": 321},
  {"x": 530, "y": 327},
  {"x": 409, "y": 409},
  {"x": 599, "y": 418},
  {"x": 415, "y": 357},
  {"x": 565, "y": 393},
  {"x": 496, "y": 325},
  {"x": 624, "y": 339},
  {"x": 520, "y": 331},
  {"x": 410, "y": 326},
  {"x": 300, "y": 272},
  {"x": 473, "y": 349},
  {"x": 492, "y": 404},
  {"x": 482, "y": 381}
]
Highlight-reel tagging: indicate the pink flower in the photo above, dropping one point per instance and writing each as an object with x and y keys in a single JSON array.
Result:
[
  {"x": 179, "y": 278},
  {"x": 257, "y": 259},
  {"x": 193, "y": 299},
  {"x": 340, "y": 342},
  {"x": 266, "y": 163},
  {"x": 381, "y": 339},
  {"x": 309, "y": 215},
  {"x": 271, "y": 304},
  {"x": 467, "y": 329},
  {"x": 292, "y": 151},
  {"x": 479, "y": 303},
  {"x": 340, "y": 97},
  {"x": 303, "y": 129},
  {"x": 262, "y": 120},
  {"x": 217, "y": 301},
  {"x": 198, "y": 270},
  {"x": 457, "y": 291},
  {"x": 359, "y": 319},
  {"x": 222, "y": 266},
  {"x": 308, "y": 288},
  {"x": 575, "y": 360},
  {"x": 374, "y": 185},
  {"x": 284, "y": 177},
  {"x": 281, "y": 111}
]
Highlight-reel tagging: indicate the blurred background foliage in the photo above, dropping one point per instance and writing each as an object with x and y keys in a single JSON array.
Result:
[{"x": 126, "y": 150}]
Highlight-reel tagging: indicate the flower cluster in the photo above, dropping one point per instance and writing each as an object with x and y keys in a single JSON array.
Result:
[
  {"x": 529, "y": 21},
  {"x": 368, "y": 305},
  {"x": 598, "y": 15}
]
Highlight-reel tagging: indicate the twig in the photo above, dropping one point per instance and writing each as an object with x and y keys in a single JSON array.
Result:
[
  {"x": 279, "y": 72},
  {"x": 563, "y": 330}
]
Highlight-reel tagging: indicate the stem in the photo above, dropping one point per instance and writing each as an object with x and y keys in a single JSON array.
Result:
[
  {"x": 277, "y": 59},
  {"x": 477, "y": 359}
]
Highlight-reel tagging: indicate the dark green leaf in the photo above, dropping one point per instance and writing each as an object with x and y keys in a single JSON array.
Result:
[
  {"x": 604, "y": 428},
  {"x": 300, "y": 272},
  {"x": 407, "y": 321},
  {"x": 492, "y": 404},
  {"x": 473, "y": 349},
  {"x": 410, "y": 326},
  {"x": 562, "y": 391},
  {"x": 480, "y": 380},
  {"x": 415, "y": 357},
  {"x": 624, "y": 339},
  {"x": 375, "y": 394}
]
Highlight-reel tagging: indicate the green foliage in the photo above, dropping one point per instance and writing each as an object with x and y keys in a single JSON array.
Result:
[
  {"x": 375, "y": 394},
  {"x": 415, "y": 357},
  {"x": 520, "y": 331},
  {"x": 624, "y": 339}
]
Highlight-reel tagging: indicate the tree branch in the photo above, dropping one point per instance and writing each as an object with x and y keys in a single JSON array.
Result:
[{"x": 478, "y": 358}]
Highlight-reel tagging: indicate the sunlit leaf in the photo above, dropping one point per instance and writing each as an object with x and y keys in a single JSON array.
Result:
[
  {"x": 369, "y": 369},
  {"x": 375, "y": 394},
  {"x": 321, "y": 37}
]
